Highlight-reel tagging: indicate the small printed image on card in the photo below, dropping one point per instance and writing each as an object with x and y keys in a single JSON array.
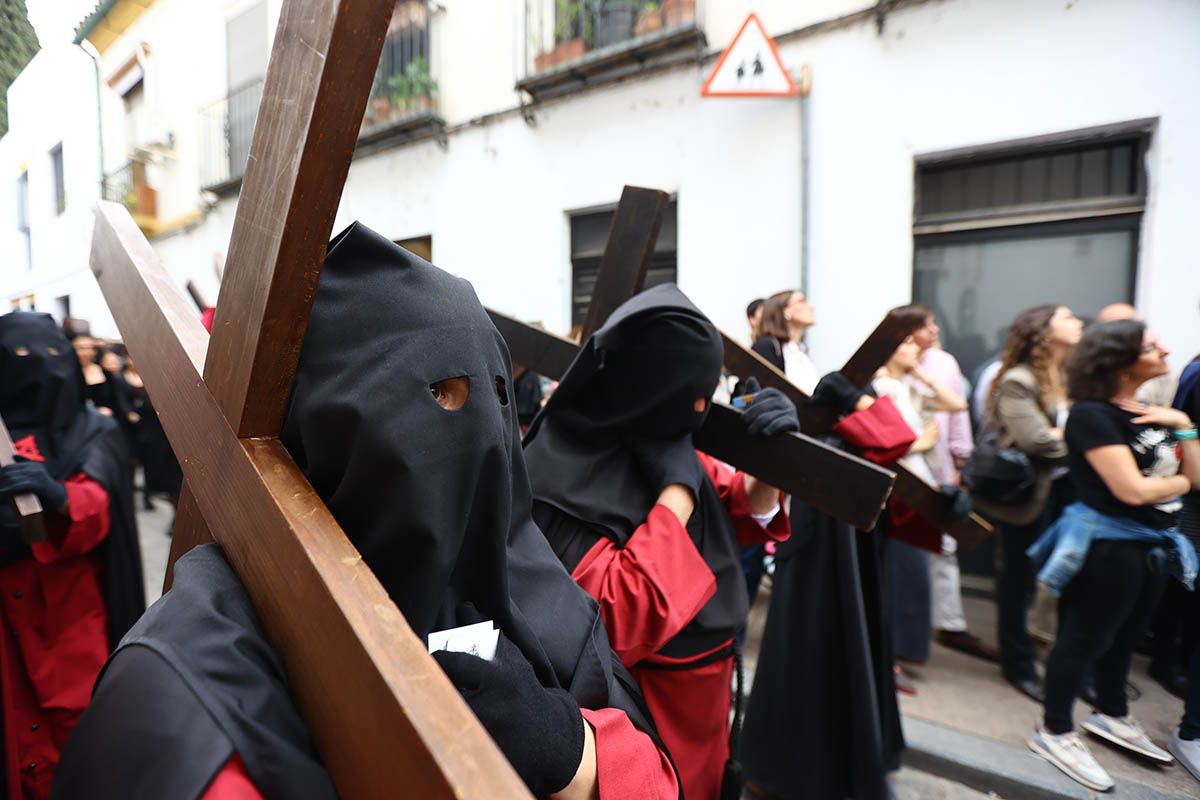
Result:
[{"x": 479, "y": 640}]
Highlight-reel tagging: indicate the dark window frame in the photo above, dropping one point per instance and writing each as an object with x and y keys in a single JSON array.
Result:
[
  {"x": 585, "y": 261},
  {"x": 58, "y": 171},
  {"x": 1078, "y": 144}
]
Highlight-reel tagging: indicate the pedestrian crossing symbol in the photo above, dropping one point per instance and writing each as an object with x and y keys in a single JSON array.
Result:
[{"x": 750, "y": 67}]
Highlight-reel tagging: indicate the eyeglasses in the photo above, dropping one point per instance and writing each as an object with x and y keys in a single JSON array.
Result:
[{"x": 1153, "y": 347}]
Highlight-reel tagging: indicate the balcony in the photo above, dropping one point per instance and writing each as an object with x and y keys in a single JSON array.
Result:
[
  {"x": 575, "y": 43},
  {"x": 403, "y": 101},
  {"x": 402, "y": 105},
  {"x": 128, "y": 186},
  {"x": 226, "y": 128}
]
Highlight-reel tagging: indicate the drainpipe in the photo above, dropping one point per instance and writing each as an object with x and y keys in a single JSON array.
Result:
[
  {"x": 94, "y": 55},
  {"x": 804, "y": 82}
]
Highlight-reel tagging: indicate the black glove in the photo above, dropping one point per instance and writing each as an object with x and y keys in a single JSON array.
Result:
[
  {"x": 836, "y": 392},
  {"x": 664, "y": 462},
  {"x": 539, "y": 730},
  {"x": 960, "y": 502},
  {"x": 30, "y": 476},
  {"x": 770, "y": 412}
]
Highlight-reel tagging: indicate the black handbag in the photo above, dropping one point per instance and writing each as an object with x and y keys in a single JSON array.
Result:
[{"x": 999, "y": 474}]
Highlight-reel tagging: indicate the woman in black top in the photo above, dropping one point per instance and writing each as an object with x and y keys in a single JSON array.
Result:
[{"x": 1129, "y": 464}]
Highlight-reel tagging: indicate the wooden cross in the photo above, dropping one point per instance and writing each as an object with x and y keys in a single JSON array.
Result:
[
  {"x": 384, "y": 717},
  {"x": 835, "y": 482},
  {"x": 876, "y": 349},
  {"x": 29, "y": 508}
]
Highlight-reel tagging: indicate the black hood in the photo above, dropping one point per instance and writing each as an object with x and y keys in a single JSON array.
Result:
[
  {"x": 42, "y": 389},
  {"x": 436, "y": 501},
  {"x": 640, "y": 374}
]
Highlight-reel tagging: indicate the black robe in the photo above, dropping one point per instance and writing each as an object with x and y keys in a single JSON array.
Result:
[{"x": 822, "y": 719}]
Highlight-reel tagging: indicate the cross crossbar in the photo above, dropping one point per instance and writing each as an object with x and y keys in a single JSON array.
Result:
[
  {"x": 911, "y": 489},
  {"x": 837, "y": 483},
  {"x": 29, "y": 508}
]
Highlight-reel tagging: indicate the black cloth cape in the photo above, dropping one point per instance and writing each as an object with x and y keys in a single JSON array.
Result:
[
  {"x": 822, "y": 720},
  {"x": 193, "y": 682},
  {"x": 42, "y": 393},
  {"x": 637, "y": 377},
  {"x": 436, "y": 501}
]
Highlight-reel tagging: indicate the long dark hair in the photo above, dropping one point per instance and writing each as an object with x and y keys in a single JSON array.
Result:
[
  {"x": 1026, "y": 344},
  {"x": 773, "y": 322},
  {"x": 1094, "y": 366}
]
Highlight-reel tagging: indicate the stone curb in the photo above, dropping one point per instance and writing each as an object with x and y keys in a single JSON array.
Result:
[{"x": 1010, "y": 772}]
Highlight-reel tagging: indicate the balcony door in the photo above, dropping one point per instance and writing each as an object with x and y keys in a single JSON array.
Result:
[{"x": 247, "y": 49}]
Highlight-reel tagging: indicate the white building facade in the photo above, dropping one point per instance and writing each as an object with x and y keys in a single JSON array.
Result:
[{"x": 980, "y": 156}]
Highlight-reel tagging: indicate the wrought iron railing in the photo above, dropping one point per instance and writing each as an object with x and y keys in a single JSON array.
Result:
[
  {"x": 226, "y": 128},
  {"x": 562, "y": 31},
  {"x": 404, "y": 89},
  {"x": 404, "y": 86},
  {"x": 128, "y": 187}
]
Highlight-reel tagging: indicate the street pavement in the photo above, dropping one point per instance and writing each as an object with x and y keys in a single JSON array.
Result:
[
  {"x": 155, "y": 544},
  {"x": 965, "y": 694}
]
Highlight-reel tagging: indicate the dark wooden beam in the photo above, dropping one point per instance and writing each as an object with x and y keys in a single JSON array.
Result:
[
  {"x": 832, "y": 481},
  {"x": 540, "y": 351},
  {"x": 838, "y": 483},
  {"x": 29, "y": 508},
  {"x": 877, "y": 348},
  {"x": 627, "y": 253},
  {"x": 382, "y": 713},
  {"x": 923, "y": 498}
]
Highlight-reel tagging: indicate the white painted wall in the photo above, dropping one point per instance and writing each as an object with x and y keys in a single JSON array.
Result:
[
  {"x": 967, "y": 72},
  {"x": 944, "y": 74},
  {"x": 53, "y": 100}
]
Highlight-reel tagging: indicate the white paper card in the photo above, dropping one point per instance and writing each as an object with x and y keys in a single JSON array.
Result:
[{"x": 479, "y": 640}]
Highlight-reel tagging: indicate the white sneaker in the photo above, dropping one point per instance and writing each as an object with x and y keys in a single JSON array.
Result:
[
  {"x": 1187, "y": 752},
  {"x": 1126, "y": 732},
  {"x": 1068, "y": 752}
]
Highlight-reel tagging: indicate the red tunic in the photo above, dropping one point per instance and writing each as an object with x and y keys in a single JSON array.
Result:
[
  {"x": 648, "y": 591},
  {"x": 627, "y": 765},
  {"x": 53, "y": 639}
]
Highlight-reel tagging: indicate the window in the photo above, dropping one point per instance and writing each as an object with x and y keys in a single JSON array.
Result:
[
  {"x": 23, "y": 216},
  {"x": 1004, "y": 228},
  {"x": 60, "y": 190},
  {"x": 589, "y": 235}
]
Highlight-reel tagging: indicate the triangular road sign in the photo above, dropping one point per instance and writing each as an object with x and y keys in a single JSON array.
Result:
[{"x": 750, "y": 67}]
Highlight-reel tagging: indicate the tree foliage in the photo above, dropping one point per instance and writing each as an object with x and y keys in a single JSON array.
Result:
[{"x": 18, "y": 44}]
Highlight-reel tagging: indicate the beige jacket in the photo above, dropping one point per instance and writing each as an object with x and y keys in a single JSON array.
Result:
[{"x": 1025, "y": 422}]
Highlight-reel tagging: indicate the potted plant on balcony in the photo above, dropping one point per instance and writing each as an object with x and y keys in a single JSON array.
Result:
[
  {"x": 615, "y": 20},
  {"x": 569, "y": 36},
  {"x": 421, "y": 85},
  {"x": 649, "y": 19},
  {"x": 678, "y": 12}
]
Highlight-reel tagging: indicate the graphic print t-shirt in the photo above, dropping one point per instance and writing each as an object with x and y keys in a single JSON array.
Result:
[{"x": 1095, "y": 424}]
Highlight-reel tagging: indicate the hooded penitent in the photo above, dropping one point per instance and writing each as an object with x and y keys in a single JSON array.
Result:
[
  {"x": 637, "y": 378},
  {"x": 436, "y": 500},
  {"x": 42, "y": 395}
]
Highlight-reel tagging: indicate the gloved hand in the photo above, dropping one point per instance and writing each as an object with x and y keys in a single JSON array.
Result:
[
  {"x": 539, "y": 730},
  {"x": 31, "y": 476},
  {"x": 668, "y": 461},
  {"x": 960, "y": 500},
  {"x": 835, "y": 392},
  {"x": 770, "y": 412}
]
